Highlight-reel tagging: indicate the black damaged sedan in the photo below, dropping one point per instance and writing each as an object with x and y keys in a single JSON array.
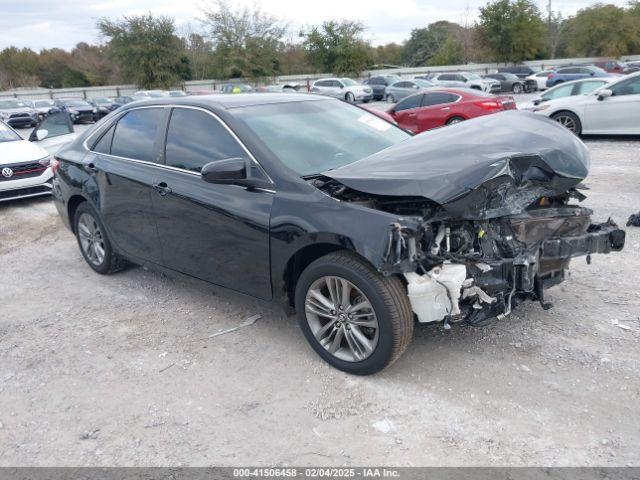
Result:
[{"x": 357, "y": 226}]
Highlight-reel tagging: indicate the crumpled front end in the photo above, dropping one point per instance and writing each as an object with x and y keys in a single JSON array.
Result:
[
  {"x": 487, "y": 213},
  {"x": 475, "y": 270}
]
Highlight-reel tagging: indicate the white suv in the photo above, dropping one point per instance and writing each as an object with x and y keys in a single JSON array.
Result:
[{"x": 343, "y": 88}]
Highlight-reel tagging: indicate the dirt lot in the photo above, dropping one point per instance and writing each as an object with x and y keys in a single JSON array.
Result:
[{"x": 118, "y": 370}]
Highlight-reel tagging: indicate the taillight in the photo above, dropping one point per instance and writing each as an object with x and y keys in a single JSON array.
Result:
[
  {"x": 489, "y": 104},
  {"x": 55, "y": 164}
]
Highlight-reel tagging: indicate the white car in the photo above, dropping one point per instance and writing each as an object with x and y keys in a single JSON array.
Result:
[
  {"x": 466, "y": 80},
  {"x": 566, "y": 89},
  {"x": 343, "y": 88},
  {"x": 613, "y": 109},
  {"x": 26, "y": 166},
  {"x": 540, "y": 78}
]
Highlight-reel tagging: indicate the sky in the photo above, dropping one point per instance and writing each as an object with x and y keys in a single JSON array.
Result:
[{"x": 41, "y": 24}]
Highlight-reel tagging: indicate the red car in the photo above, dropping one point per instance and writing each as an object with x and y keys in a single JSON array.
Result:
[{"x": 444, "y": 106}]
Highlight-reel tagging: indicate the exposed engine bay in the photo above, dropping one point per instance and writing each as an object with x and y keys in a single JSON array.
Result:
[{"x": 475, "y": 264}]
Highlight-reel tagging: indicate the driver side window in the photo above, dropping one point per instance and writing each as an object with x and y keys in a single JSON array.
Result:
[
  {"x": 195, "y": 138},
  {"x": 628, "y": 87}
]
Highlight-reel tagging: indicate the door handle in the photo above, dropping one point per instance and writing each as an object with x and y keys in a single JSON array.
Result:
[
  {"x": 446, "y": 108},
  {"x": 412, "y": 114},
  {"x": 162, "y": 188}
]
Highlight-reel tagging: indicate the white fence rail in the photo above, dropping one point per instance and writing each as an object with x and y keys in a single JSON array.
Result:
[{"x": 305, "y": 79}]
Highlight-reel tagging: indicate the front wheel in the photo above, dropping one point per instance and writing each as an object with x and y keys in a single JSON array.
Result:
[
  {"x": 391, "y": 99},
  {"x": 357, "y": 320},
  {"x": 94, "y": 243},
  {"x": 568, "y": 120},
  {"x": 350, "y": 98},
  {"x": 517, "y": 88}
]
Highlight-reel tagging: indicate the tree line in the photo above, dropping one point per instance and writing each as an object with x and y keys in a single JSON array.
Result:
[{"x": 150, "y": 51}]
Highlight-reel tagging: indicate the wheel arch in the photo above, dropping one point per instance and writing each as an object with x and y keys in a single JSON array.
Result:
[
  {"x": 299, "y": 261},
  {"x": 72, "y": 206}
]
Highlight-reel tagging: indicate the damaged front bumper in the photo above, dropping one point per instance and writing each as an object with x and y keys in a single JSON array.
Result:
[{"x": 476, "y": 271}]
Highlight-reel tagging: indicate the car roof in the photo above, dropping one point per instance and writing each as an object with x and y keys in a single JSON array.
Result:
[{"x": 234, "y": 101}]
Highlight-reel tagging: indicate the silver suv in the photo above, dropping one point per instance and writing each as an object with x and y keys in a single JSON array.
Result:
[
  {"x": 343, "y": 88},
  {"x": 466, "y": 80}
]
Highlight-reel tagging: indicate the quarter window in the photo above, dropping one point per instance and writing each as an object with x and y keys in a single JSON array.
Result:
[
  {"x": 195, "y": 138},
  {"x": 135, "y": 134},
  {"x": 104, "y": 144}
]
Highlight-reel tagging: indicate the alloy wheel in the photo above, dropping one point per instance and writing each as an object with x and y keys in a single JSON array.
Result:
[
  {"x": 341, "y": 318},
  {"x": 91, "y": 239},
  {"x": 567, "y": 122},
  {"x": 350, "y": 98}
]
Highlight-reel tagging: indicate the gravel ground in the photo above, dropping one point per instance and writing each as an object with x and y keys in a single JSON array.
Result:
[{"x": 119, "y": 370}]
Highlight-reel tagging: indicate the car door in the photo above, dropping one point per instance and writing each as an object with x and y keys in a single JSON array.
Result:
[
  {"x": 436, "y": 109},
  {"x": 619, "y": 113},
  {"x": 406, "y": 112},
  {"x": 218, "y": 233},
  {"x": 123, "y": 160},
  {"x": 53, "y": 132}
]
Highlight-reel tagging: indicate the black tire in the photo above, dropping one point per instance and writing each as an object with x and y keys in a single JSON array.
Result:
[
  {"x": 517, "y": 88},
  {"x": 111, "y": 262},
  {"x": 389, "y": 302},
  {"x": 391, "y": 98},
  {"x": 350, "y": 97},
  {"x": 454, "y": 120},
  {"x": 568, "y": 120}
]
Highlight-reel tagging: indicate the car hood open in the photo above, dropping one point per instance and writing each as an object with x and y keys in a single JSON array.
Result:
[{"x": 486, "y": 167}]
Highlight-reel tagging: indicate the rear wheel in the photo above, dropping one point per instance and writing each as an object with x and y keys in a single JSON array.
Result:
[
  {"x": 349, "y": 97},
  {"x": 517, "y": 88},
  {"x": 94, "y": 243},
  {"x": 391, "y": 99},
  {"x": 356, "y": 319},
  {"x": 454, "y": 120},
  {"x": 569, "y": 121}
]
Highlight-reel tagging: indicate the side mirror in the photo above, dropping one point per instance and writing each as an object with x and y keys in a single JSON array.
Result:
[
  {"x": 42, "y": 134},
  {"x": 341, "y": 87},
  {"x": 465, "y": 80},
  {"x": 229, "y": 171},
  {"x": 605, "y": 93},
  {"x": 537, "y": 101},
  {"x": 416, "y": 87}
]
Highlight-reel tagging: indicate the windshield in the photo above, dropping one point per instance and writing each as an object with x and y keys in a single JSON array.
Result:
[
  {"x": 101, "y": 100},
  {"x": 315, "y": 136},
  {"x": 472, "y": 76},
  {"x": 11, "y": 104},
  {"x": 43, "y": 103},
  {"x": 348, "y": 82},
  {"x": 8, "y": 135}
]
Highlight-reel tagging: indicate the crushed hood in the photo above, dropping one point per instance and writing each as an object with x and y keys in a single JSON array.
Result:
[{"x": 486, "y": 167}]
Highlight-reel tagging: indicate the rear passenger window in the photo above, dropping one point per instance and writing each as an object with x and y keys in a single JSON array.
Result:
[
  {"x": 104, "y": 144},
  {"x": 135, "y": 134},
  {"x": 438, "y": 98},
  {"x": 195, "y": 138}
]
